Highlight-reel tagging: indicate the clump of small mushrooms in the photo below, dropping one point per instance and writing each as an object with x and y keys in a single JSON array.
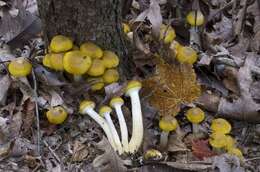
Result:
[{"x": 103, "y": 118}]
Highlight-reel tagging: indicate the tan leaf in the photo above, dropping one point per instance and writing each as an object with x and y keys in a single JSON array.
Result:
[{"x": 171, "y": 86}]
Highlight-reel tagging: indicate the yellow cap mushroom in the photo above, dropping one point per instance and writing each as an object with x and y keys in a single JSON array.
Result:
[
  {"x": 186, "y": 55},
  {"x": 97, "y": 68},
  {"x": 230, "y": 142},
  {"x": 57, "y": 115},
  {"x": 220, "y": 125},
  {"x": 110, "y": 59},
  {"x": 56, "y": 61},
  {"x": 96, "y": 83},
  {"x": 76, "y": 62},
  {"x": 235, "y": 151},
  {"x": 168, "y": 123},
  {"x": 167, "y": 33},
  {"x": 195, "y": 115},
  {"x": 195, "y": 18},
  {"x": 218, "y": 140},
  {"x": 92, "y": 50},
  {"x": 153, "y": 154},
  {"x": 20, "y": 67},
  {"x": 46, "y": 61},
  {"x": 126, "y": 28},
  {"x": 60, "y": 44},
  {"x": 110, "y": 76}
]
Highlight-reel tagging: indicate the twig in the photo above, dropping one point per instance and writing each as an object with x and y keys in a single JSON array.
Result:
[
  {"x": 37, "y": 113},
  {"x": 52, "y": 151},
  {"x": 252, "y": 159}
]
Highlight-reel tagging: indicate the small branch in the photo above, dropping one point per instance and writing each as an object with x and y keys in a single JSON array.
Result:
[
  {"x": 52, "y": 151},
  {"x": 37, "y": 113}
]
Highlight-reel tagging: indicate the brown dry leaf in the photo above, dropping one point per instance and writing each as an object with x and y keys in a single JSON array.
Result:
[
  {"x": 28, "y": 115},
  {"x": 80, "y": 152},
  {"x": 171, "y": 86},
  {"x": 200, "y": 149}
]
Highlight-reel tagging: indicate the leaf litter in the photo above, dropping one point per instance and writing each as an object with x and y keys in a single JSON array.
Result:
[{"x": 230, "y": 42}]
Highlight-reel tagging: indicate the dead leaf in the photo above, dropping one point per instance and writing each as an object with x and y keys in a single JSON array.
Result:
[
  {"x": 171, "y": 86},
  {"x": 5, "y": 83},
  {"x": 109, "y": 161},
  {"x": 153, "y": 14},
  {"x": 175, "y": 143},
  {"x": 80, "y": 151},
  {"x": 227, "y": 163},
  {"x": 201, "y": 149},
  {"x": 56, "y": 99},
  {"x": 28, "y": 115}
]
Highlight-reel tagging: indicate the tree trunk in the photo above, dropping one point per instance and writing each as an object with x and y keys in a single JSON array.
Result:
[{"x": 94, "y": 20}]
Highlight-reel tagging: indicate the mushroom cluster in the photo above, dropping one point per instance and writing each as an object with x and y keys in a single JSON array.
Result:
[
  {"x": 103, "y": 118},
  {"x": 87, "y": 61},
  {"x": 220, "y": 140}
]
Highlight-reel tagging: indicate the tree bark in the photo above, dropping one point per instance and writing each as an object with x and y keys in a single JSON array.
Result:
[{"x": 87, "y": 20}]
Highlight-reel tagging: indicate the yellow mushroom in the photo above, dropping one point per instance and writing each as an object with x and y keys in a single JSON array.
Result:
[
  {"x": 167, "y": 124},
  {"x": 97, "y": 68},
  {"x": 218, "y": 141},
  {"x": 60, "y": 44},
  {"x": 220, "y": 125},
  {"x": 110, "y": 76},
  {"x": 167, "y": 33},
  {"x": 76, "y": 63},
  {"x": 230, "y": 142},
  {"x": 56, "y": 61},
  {"x": 153, "y": 154},
  {"x": 235, "y": 151},
  {"x": 110, "y": 59},
  {"x": 195, "y": 116},
  {"x": 195, "y": 18},
  {"x": 20, "y": 67},
  {"x": 126, "y": 28},
  {"x": 92, "y": 50},
  {"x": 46, "y": 61},
  {"x": 96, "y": 83},
  {"x": 57, "y": 115},
  {"x": 186, "y": 55}
]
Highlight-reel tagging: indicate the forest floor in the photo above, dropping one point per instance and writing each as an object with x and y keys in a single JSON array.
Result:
[{"x": 224, "y": 82}]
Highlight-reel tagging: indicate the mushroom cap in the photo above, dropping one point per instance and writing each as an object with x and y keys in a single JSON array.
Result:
[
  {"x": 76, "y": 62},
  {"x": 110, "y": 59},
  {"x": 217, "y": 140},
  {"x": 230, "y": 142},
  {"x": 168, "y": 123},
  {"x": 235, "y": 151},
  {"x": 60, "y": 43},
  {"x": 110, "y": 76},
  {"x": 97, "y": 83},
  {"x": 195, "y": 115},
  {"x": 133, "y": 85},
  {"x": 92, "y": 50},
  {"x": 46, "y": 61},
  {"x": 116, "y": 100},
  {"x": 56, "y": 61},
  {"x": 97, "y": 86},
  {"x": 104, "y": 109},
  {"x": 220, "y": 125},
  {"x": 20, "y": 67},
  {"x": 153, "y": 154},
  {"x": 86, "y": 104},
  {"x": 167, "y": 33},
  {"x": 57, "y": 115},
  {"x": 195, "y": 19},
  {"x": 186, "y": 55},
  {"x": 97, "y": 68},
  {"x": 126, "y": 28}
]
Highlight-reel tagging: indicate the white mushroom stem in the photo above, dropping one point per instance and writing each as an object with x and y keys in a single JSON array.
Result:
[
  {"x": 195, "y": 128},
  {"x": 123, "y": 126},
  {"x": 103, "y": 123},
  {"x": 138, "y": 129},
  {"x": 164, "y": 139},
  {"x": 113, "y": 132},
  {"x": 77, "y": 78}
]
